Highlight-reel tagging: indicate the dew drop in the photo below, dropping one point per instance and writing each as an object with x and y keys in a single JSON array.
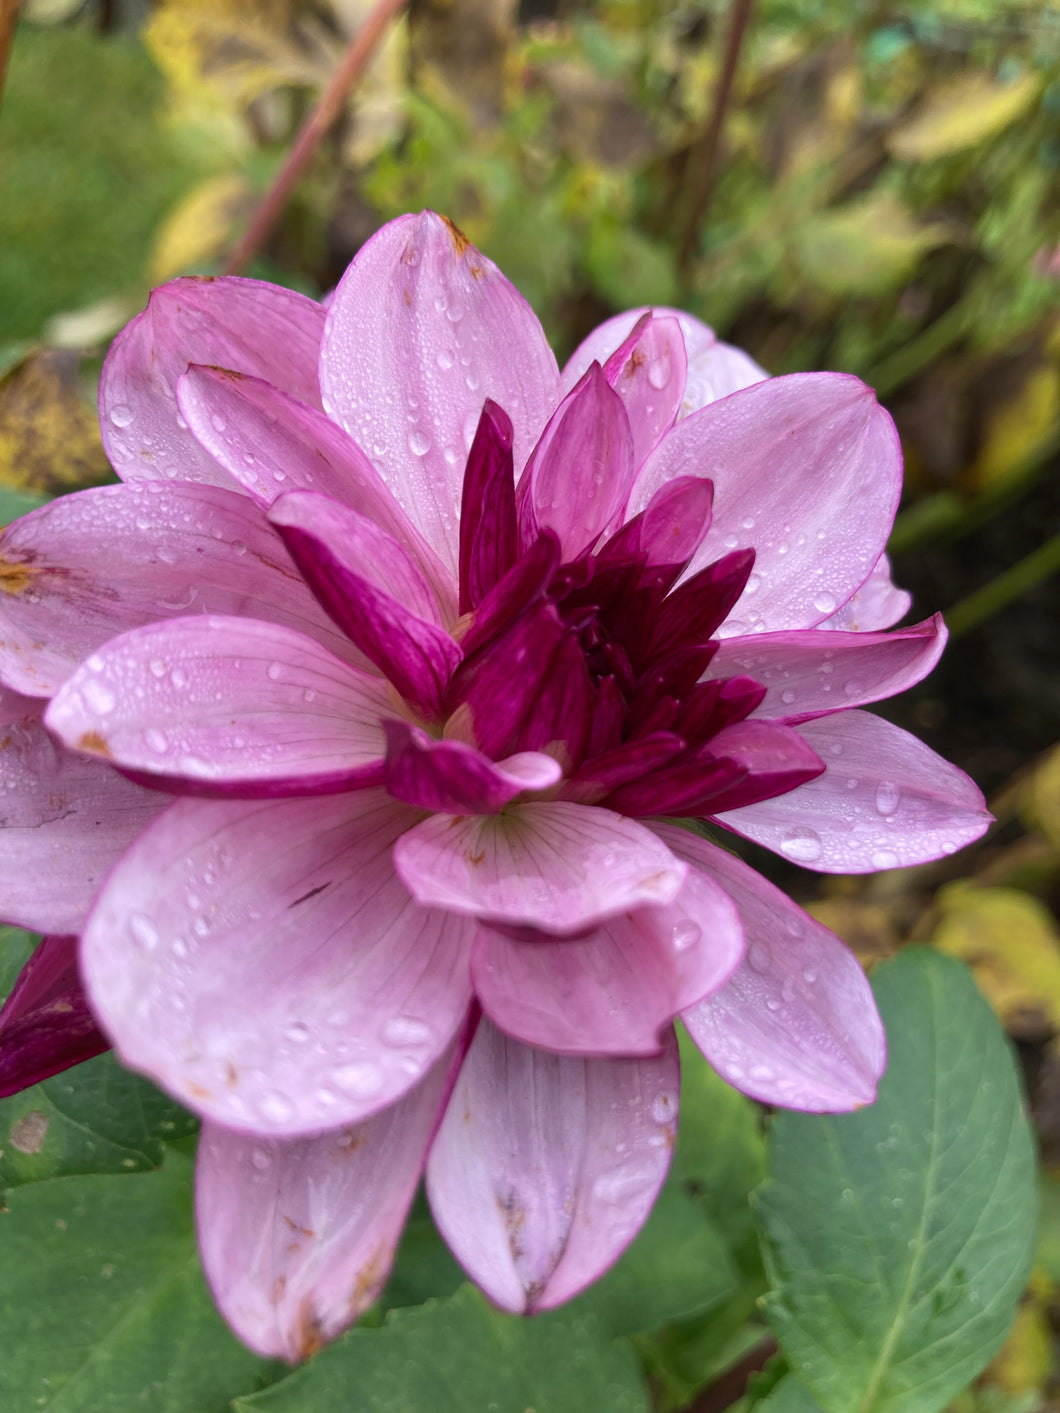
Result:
[
  {"x": 809, "y": 976},
  {"x": 444, "y": 360},
  {"x": 730, "y": 542},
  {"x": 419, "y": 443},
  {"x": 298, "y": 1032},
  {"x": 275, "y": 1108},
  {"x": 406, "y": 1030},
  {"x": 178, "y": 677},
  {"x": 473, "y": 381},
  {"x": 144, "y": 933},
  {"x": 659, "y": 373},
  {"x": 364, "y": 1078},
  {"x": 157, "y": 667},
  {"x": 758, "y": 958},
  {"x": 685, "y": 935},
  {"x": 121, "y": 415},
  {"x": 309, "y": 695},
  {"x": 274, "y": 671},
  {"x": 238, "y": 547},
  {"x": 787, "y": 696},
  {"x": 748, "y": 522},
  {"x": 753, "y": 584},
  {"x": 853, "y": 689},
  {"x": 885, "y": 858},
  {"x": 156, "y": 740},
  {"x": 803, "y": 845},
  {"x": 888, "y": 797},
  {"x": 663, "y": 1108},
  {"x": 260, "y": 1159},
  {"x": 99, "y": 697},
  {"x": 825, "y": 603},
  {"x": 218, "y": 423}
]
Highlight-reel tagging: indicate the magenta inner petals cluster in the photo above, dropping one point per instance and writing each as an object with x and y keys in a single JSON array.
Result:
[{"x": 349, "y": 731}]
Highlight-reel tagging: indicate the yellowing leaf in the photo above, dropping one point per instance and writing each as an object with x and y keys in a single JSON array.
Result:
[
  {"x": 1025, "y": 1360},
  {"x": 1041, "y": 798},
  {"x": 1011, "y": 942},
  {"x": 865, "y": 247},
  {"x": 49, "y": 435},
  {"x": 960, "y": 113},
  {"x": 199, "y": 230},
  {"x": 1018, "y": 428}
]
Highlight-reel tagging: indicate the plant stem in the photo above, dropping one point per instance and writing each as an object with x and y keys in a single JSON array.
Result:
[
  {"x": 354, "y": 62},
  {"x": 703, "y": 155},
  {"x": 1027, "y": 574},
  {"x": 8, "y": 21}
]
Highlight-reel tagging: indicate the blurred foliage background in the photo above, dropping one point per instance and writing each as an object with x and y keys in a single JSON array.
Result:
[{"x": 885, "y": 200}]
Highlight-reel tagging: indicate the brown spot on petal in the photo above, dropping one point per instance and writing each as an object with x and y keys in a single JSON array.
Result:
[
  {"x": 302, "y": 1231},
  {"x": 369, "y": 1280},
  {"x": 15, "y": 578},
  {"x": 231, "y": 1074},
  {"x": 460, "y": 240},
  {"x": 94, "y": 742},
  {"x": 279, "y": 1285},
  {"x": 348, "y": 1142},
  {"x": 475, "y": 859},
  {"x": 476, "y": 272},
  {"x": 309, "y": 1336}
]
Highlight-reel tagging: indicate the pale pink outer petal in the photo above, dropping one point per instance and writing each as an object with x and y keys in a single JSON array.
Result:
[
  {"x": 815, "y": 673},
  {"x": 64, "y": 820},
  {"x": 271, "y": 444},
  {"x": 90, "y": 565},
  {"x": 649, "y": 371},
  {"x": 422, "y": 330},
  {"x": 807, "y": 470},
  {"x": 246, "y": 325},
  {"x": 264, "y": 964},
  {"x": 223, "y": 701},
  {"x": 715, "y": 369},
  {"x": 885, "y": 801},
  {"x": 877, "y": 604},
  {"x": 545, "y": 1166},
  {"x": 796, "y": 1024},
  {"x": 555, "y": 866},
  {"x": 615, "y": 991},
  {"x": 298, "y": 1235}
]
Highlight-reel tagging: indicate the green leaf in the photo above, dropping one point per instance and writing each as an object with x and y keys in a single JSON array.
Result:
[
  {"x": 94, "y": 1118},
  {"x": 103, "y": 1305},
  {"x": 16, "y": 945},
  {"x": 462, "y": 1356},
  {"x": 899, "y": 1238},
  {"x": 789, "y": 1396}
]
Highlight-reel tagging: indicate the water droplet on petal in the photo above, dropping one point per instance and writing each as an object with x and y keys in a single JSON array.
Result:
[
  {"x": 275, "y": 1108},
  {"x": 888, "y": 797},
  {"x": 885, "y": 858},
  {"x": 419, "y": 443},
  {"x": 274, "y": 671},
  {"x": 121, "y": 415},
  {"x": 218, "y": 423},
  {"x": 663, "y": 1108},
  {"x": 156, "y": 740},
  {"x": 144, "y": 933},
  {"x": 444, "y": 360},
  {"x": 298, "y": 1032},
  {"x": 758, "y": 958},
  {"x": 364, "y": 1078},
  {"x": 260, "y": 1159},
  {"x": 99, "y": 697},
  {"x": 406, "y": 1030},
  {"x": 825, "y": 603},
  {"x": 685, "y": 935},
  {"x": 802, "y": 844},
  {"x": 787, "y": 696}
]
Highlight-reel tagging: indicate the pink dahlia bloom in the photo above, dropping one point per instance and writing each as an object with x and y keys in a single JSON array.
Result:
[{"x": 345, "y": 732}]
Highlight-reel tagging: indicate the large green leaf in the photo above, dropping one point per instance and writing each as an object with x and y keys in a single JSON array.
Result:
[
  {"x": 16, "y": 946},
  {"x": 103, "y": 1305},
  {"x": 94, "y": 1118},
  {"x": 899, "y": 1238},
  {"x": 461, "y": 1356}
]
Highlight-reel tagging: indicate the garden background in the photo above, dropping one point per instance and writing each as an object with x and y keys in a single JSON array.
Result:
[{"x": 880, "y": 194}]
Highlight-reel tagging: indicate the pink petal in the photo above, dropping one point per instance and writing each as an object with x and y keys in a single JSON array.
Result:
[
  {"x": 271, "y": 444},
  {"x": 298, "y": 1235},
  {"x": 225, "y": 705},
  {"x": 649, "y": 371},
  {"x": 885, "y": 801},
  {"x": 579, "y": 475},
  {"x": 796, "y": 1024},
  {"x": 246, "y": 325},
  {"x": 807, "y": 470},
  {"x": 545, "y": 1167},
  {"x": 489, "y": 533},
  {"x": 420, "y": 310},
  {"x": 454, "y": 778},
  {"x": 374, "y": 592},
  {"x": 877, "y": 604},
  {"x": 615, "y": 991},
  {"x": 263, "y": 963},
  {"x": 555, "y": 866},
  {"x": 715, "y": 369},
  {"x": 816, "y": 673},
  {"x": 90, "y": 565},
  {"x": 65, "y": 820},
  {"x": 45, "y": 1023}
]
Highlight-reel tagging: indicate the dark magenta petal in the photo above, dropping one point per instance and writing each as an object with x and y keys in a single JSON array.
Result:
[
  {"x": 696, "y": 609},
  {"x": 45, "y": 1024},
  {"x": 502, "y": 685},
  {"x": 524, "y": 585},
  {"x": 672, "y": 676},
  {"x": 690, "y": 787},
  {"x": 449, "y": 776},
  {"x": 625, "y": 763},
  {"x": 489, "y": 535},
  {"x": 561, "y": 712},
  {"x": 711, "y": 706},
  {"x": 417, "y": 656},
  {"x": 672, "y": 526},
  {"x": 609, "y": 712}
]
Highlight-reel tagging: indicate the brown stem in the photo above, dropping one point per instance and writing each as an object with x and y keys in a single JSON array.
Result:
[
  {"x": 703, "y": 155},
  {"x": 8, "y": 20},
  {"x": 333, "y": 98}
]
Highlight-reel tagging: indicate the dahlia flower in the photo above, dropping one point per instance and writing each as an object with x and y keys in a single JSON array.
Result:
[{"x": 346, "y": 732}]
